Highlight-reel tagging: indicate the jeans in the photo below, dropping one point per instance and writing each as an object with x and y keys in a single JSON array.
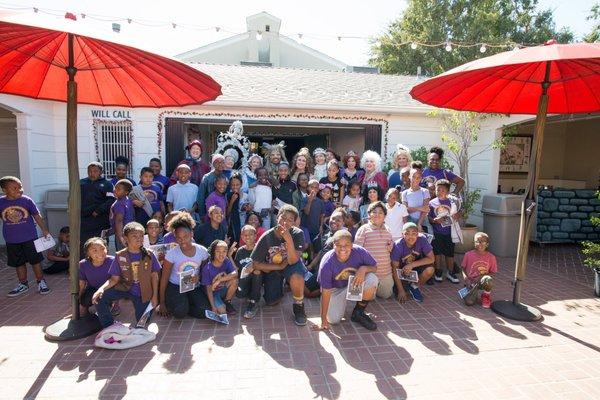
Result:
[
  {"x": 250, "y": 287},
  {"x": 112, "y": 294},
  {"x": 219, "y": 296},
  {"x": 192, "y": 303},
  {"x": 273, "y": 281}
]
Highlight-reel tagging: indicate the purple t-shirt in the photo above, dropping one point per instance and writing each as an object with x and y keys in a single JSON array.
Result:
[
  {"x": 219, "y": 200},
  {"x": 438, "y": 208},
  {"x": 162, "y": 182},
  {"x": 18, "y": 225},
  {"x": 405, "y": 255},
  {"x": 123, "y": 206},
  {"x": 154, "y": 195},
  {"x": 329, "y": 207},
  {"x": 95, "y": 276},
  {"x": 169, "y": 238},
  {"x": 134, "y": 259},
  {"x": 434, "y": 175},
  {"x": 210, "y": 271},
  {"x": 334, "y": 274}
]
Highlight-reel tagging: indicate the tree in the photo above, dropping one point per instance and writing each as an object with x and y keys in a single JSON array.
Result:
[
  {"x": 594, "y": 35},
  {"x": 460, "y": 21}
]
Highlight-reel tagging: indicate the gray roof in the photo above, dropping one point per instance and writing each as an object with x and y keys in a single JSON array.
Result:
[{"x": 260, "y": 85}]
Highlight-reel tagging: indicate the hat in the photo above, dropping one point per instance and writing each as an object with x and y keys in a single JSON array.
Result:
[
  {"x": 216, "y": 157},
  {"x": 194, "y": 143},
  {"x": 351, "y": 154},
  {"x": 319, "y": 150}
]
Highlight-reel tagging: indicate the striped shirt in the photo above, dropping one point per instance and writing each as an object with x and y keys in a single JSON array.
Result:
[{"x": 378, "y": 242}]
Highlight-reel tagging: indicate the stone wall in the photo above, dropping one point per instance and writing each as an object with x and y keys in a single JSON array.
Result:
[{"x": 564, "y": 216}]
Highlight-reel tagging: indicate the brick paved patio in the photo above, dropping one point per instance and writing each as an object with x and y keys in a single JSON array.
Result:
[{"x": 438, "y": 349}]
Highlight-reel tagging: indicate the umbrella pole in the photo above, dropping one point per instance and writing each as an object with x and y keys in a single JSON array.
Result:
[
  {"x": 515, "y": 309},
  {"x": 73, "y": 327}
]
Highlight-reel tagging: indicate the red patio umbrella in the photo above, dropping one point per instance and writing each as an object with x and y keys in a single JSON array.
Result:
[
  {"x": 553, "y": 78},
  {"x": 51, "y": 65}
]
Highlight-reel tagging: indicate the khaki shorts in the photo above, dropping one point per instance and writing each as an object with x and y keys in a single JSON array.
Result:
[{"x": 385, "y": 290}]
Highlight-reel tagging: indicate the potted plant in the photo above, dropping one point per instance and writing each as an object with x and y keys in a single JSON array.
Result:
[
  {"x": 460, "y": 132},
  {"x": 591, "y": 251}
]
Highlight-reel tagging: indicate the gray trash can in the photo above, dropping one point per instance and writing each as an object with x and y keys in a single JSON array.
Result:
[
  {"x": 501, "y": 220},
  {"x": 56, "y": 206}
]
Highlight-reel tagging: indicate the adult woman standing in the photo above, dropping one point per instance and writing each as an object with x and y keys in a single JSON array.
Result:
[
  {"x": 371, "y": 162},
  {"x": 351, "y": 172},
  {"x": 194, "y": 161},
  {"x": 302, "y": 163},
  {"x": 434, "y": 172},
  {"x": 248, "y": 173},
  {"x": 402, "y": 159}
]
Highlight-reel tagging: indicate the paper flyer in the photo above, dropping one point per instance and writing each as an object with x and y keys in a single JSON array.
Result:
[
  {"x": 354, "y": 293},
  {"x": 412, "y": 277},
  {"x": 44, "y": 243},
  {"x": 221, "y": 318},
  {"x": 186, "y": 283}
]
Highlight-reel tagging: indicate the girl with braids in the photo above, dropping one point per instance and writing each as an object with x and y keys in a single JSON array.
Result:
[
  {"x": 133, "y": 275},
  {"x": 183, "y": 263}
]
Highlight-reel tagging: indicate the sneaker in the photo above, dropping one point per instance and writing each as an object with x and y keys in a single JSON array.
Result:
[
  {"x": 115, "y": 309},
  {"x": 251, "y": 310},
  {"x": 486, "y": 299},
  {"x": 451, "y": 276},
  {"x": 19, "y": 289},
  {"x": 415, "y": 293},
  {"x": 229, "y": 308},
  {"x": 43, "y": 287},
  {"x": 299, "y": 314},
  {"x": 360, "y": 317},
  {"x": 439, "y": 275}
]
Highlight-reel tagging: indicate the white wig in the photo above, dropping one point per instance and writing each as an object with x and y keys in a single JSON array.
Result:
[{"x": 371, "y": 155}]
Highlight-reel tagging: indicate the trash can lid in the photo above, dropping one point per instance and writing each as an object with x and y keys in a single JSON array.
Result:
[{"x": 503, "y": 204}]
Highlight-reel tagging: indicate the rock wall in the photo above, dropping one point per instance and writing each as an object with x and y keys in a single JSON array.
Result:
[{"x": 564, "y": 216}]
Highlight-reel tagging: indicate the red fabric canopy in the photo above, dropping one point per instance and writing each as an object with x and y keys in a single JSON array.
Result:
[
  {"x": 510, "y": 82},
  {"x": 33, "y": 61}
]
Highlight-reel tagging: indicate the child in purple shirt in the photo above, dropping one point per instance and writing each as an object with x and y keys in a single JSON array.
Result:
[
  {"x": 18, "y": 213},
  {"x": 133, "y": 275},
  {"x": 121, "y": 212},
  {"x": 93, "y": 271},
  {"x": 217, "y": 197},
  {"x": 153, "y": 194},
  {"x": 219, "y": 278}
]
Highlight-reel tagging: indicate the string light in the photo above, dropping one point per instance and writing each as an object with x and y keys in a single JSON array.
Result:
[{"x": 413, "y": 44}]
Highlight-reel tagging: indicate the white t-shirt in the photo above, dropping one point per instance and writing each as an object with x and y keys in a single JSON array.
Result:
[
  {"x": 261, "y": 197},
  {"x": 181, "y": 262},
  {"x": 415, "y": 199},
  {"x": 182, "y": 196},
  {"x": 394, "y": 219},
  {"x": 352, "y": 203}
]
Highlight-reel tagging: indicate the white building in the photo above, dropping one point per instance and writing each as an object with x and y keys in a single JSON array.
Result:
[{"x": 317, "y": 106}]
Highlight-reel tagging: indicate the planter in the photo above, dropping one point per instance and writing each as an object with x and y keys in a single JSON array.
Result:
[
  {"x": 469, "y": 231},
  {"x": 597, "y": 282}
]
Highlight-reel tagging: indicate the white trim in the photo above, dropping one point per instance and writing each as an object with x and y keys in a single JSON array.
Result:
[
  {"x": 186, "y": 56},
  {"x": 315, "y": 53}
]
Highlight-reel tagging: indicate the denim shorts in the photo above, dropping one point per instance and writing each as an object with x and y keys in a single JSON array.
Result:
[{"x": 219, "y": 296}]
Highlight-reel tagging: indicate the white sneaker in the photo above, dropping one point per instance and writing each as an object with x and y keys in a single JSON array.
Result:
[
  {"x": 43, "y": 287},
  {"x": 18, "y": 290}
]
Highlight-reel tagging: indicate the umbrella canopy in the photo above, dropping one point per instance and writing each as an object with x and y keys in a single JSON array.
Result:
[
  {"x": 555, "y": 78},
  {"x": 510, "y": 82},
  {"x": 33, "y": 62}
]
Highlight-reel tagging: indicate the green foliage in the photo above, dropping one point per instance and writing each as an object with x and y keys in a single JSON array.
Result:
[
  {"x": 471, "y": 197},
  {"x": 438, "y": 21},
  {"x": 591, "y": 250},
  {"x": 594, "y": 34}
]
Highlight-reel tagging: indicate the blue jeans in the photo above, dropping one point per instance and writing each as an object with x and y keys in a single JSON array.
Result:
[
  {"x": 112, "y": 294},
  {"x": 273, "y": 281},
  {"x": 219, "y": 296}
]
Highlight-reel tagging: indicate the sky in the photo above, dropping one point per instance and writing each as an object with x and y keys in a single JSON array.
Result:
[{"x": 319, "y": 21}]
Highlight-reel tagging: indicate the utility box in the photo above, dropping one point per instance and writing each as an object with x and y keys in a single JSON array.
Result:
[
  {"x": 56, "y": 206},
  {"x": 501, "y": 221}
]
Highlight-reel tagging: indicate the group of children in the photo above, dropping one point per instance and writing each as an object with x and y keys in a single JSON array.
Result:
[{"x": 231, "y": 237}]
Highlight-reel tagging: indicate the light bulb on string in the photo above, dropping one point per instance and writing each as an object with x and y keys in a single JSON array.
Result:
[
  {"x": 217, "y": 29},
  {"x": 448, "y": 47},
  {"x": 413, "y": 46},
  {"x": 258, "y": 35},
  {"x": 482, "y": 49}
]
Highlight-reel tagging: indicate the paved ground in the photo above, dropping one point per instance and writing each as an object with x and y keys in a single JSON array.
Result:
[{"x": 438, "y": 349}]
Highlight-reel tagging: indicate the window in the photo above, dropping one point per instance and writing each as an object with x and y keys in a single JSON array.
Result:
[{"x": 113, "y": 139}]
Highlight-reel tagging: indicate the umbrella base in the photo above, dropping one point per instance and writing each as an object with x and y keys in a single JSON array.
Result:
[
  {"x": 519, "y": 312},
  {"x": 68, "y": 329}
]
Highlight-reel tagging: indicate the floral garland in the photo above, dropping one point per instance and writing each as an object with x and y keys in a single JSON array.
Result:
[
  {"x": 96, "y": 122},
  {"x": 162, "y": 115}
]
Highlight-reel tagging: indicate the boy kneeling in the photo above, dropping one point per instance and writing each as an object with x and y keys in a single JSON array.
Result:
[
  {"x": 478, "y": 267},
  {"x": 336, "y": 266}
]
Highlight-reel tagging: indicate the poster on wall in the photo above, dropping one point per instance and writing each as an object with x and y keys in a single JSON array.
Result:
[{"x": 515, "y": 156}]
